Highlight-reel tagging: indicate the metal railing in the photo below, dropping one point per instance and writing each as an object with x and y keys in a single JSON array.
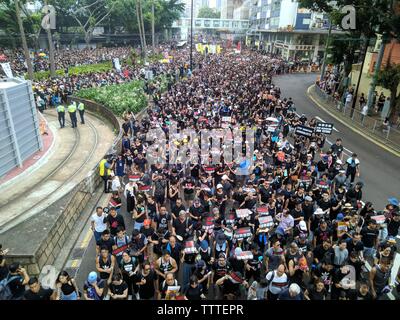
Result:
[{"x": 374, "y": 126}]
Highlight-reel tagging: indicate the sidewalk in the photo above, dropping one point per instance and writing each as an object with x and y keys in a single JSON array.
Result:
[
  {"x": 369, "y": 127},
  {"x": 74, "y": 155}
]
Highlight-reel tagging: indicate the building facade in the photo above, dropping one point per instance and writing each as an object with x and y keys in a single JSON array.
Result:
[{"x": 282, "y": 27}]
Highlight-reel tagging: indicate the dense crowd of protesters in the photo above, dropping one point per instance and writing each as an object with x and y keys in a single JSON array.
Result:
[
  {"x": 64, "y": 58},
  {"x": 292, "y": 224}
]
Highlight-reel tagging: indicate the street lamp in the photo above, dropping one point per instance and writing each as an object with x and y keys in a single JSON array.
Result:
[{"x": 191, "y": 36}]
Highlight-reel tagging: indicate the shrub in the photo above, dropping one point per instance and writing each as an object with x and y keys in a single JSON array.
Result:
[
  {"x": 76, "y": 70},
  {"x": 119, "y": 97}
]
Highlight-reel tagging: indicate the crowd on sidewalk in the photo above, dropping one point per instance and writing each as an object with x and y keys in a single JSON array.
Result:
[
  {"x": 285, "y": 221},
  {"x": 380, "y": 106}
]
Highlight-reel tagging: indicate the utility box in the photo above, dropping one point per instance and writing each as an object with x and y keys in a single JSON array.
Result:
[{"x": 19, "y": 125}]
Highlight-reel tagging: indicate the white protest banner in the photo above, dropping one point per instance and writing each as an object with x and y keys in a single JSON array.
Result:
[
  {"x": 7, "y": 69},
  {"x": 117, "y": 64}
]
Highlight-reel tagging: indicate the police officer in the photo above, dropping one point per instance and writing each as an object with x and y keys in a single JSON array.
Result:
[
  {"x": 81, "y": 109},
  {"x": 72, "y": 114},
  {"x": 61, "y": 115},
  {"x": 105, "y": 168}
]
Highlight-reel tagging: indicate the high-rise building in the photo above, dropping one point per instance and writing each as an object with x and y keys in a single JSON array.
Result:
[
  {"x": 228, "y": 7},
  {"x": 282, "y": 26}
]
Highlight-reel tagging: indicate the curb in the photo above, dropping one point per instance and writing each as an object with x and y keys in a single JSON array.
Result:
[{"x": 367, "y": 136}]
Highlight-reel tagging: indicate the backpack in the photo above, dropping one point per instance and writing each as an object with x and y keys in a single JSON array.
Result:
[
  {"x": 270, "y": 280},
  {"x": 5, "y": 291}
]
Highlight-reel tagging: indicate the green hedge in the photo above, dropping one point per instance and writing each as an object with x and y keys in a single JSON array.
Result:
[
  {"x": 118, "y": 97},
  {"x": 89, "y": 68}
]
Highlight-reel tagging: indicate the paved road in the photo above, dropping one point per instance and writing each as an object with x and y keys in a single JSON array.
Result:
[{"x": 379, "y": 168}]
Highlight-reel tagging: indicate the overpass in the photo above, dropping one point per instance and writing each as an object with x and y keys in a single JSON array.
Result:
[{"x": 224, "y": 25}]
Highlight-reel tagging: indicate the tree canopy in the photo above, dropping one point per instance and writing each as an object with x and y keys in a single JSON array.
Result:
[{"x": 209, "y": 13}]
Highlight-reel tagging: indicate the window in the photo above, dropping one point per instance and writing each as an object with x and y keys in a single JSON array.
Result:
[{"x": 216, "y": 23}]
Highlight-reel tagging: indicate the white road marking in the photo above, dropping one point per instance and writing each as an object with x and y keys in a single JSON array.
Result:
[{"x": 325, "y": 122}]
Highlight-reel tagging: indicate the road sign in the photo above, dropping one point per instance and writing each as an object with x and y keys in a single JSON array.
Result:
[{"x": 325, "y": 128}]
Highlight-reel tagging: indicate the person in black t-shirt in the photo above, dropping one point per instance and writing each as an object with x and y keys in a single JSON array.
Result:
[
  {"x": 162, "y": 219},
  {"x": 337, "y": 150},
  {"x": 177, "y": 207},
  {"x": 363, "y": 293},
  {"x": 146, "y": 281},
  {"x": 105, "y": 241},
  {"x": 118, "y": 288},
  {"x": 369, "y": 238},
  {"x": 37, "y": 292},
  {"x": 114, "y": 220},
  {"x": 321, "y": 251},
  {"x": 196, "y": 210},
  {"x": 316, "y": 291},
  {"x": 193, "y": 290}
]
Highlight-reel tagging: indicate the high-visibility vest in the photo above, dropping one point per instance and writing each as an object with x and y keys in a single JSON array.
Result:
[
  {"x": 81, "y": 106},
  {"x": 102, "y": 168},
  {"x": 72, "y": 108},
  {"x": 60, "y": 108}
]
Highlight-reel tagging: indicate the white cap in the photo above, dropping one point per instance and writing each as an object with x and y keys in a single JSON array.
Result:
[
  {"x": 302, "y": 225},
  {"x": 219, "y": 186},
  {"x": 294, "y": 287},
  {"x": 338, "y": 161},
  {"x": 319, "y": 211}
]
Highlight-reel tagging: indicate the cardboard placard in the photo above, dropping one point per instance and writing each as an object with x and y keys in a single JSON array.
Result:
[
  {"x": 226, "y": 119},
  {"x": 342, "y": 226},
  {"x": 230, "y": 219},
  {"x": 134, "y": 178},
  {"x": 120, "y": 249},
  {"x": 263, "y": 211},
  {"x": 145, "y": 188},
  {"x": 243, "y": 213},
  {"x": 245, "y": 255},
  {"x": 325, "y": 128},
  {"x": 209, "y": 169},
  {"x": 304, "y": 131},
  {"x": 266, "y": 222},
  {"x": 380, "y": 219},
  {"x": 208, "y": 223},
  {"x": 242, "y": 233},
  {"x": 190, "y": 247}
]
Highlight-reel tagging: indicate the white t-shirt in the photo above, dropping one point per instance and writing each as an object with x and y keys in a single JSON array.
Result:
[
  {"x": 364, "y": 110},
  {"x": 349, "y": 97},
  {"x": 116, "y": 184},
  {"x": 278, "y": 283},
  {"x": 99, "y": 225}
]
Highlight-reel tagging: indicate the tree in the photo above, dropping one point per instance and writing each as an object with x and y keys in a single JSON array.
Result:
[
  {"x": 23, "y": 39},
  {"x": 372, "y": 17},
  {"x": 141, "y": 28},
  {"x": 88, "y": 14},
  {"x": 9, "y": 23},
  {"x": 389, "y": 78},
  {"x": 208, "y": 13}
]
